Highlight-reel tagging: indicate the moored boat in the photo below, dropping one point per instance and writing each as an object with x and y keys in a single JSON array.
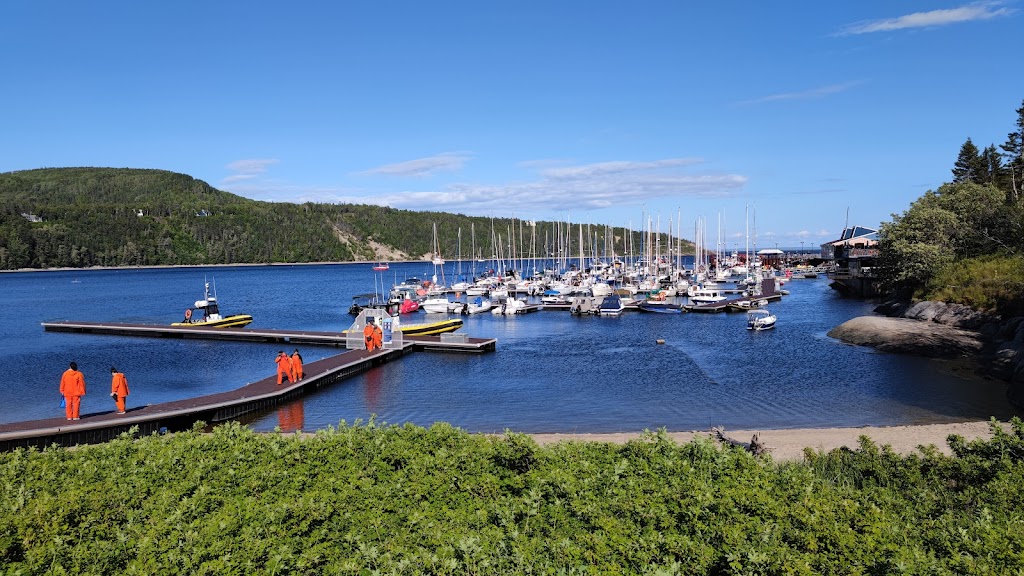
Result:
[
  {"x": 611, "y": 305},
  {"x": 431, "y": 328},
  {"x": 660, "y": 307},
  {"x": 210, "y": 314}
]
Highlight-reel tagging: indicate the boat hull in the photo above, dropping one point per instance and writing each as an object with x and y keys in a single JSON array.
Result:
[
  {"x": 236, "y": 321},
  {"x": 431, "y": 328}
]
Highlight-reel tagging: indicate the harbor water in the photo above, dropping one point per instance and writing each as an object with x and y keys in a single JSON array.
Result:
[{"x": 552, "y": 372}]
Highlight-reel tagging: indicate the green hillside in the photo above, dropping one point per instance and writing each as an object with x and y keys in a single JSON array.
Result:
[{"x": 135, "y": 217}]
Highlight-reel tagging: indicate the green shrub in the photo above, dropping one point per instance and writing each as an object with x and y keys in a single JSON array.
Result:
[
  {"x": 993, "y": 283},
  {"x": 372, "y": 498}
]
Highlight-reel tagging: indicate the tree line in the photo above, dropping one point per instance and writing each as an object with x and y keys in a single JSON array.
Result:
[
  {"x": 82, "y": 217},
  {"x": 964, "y": 242},
  {"x": 1004, "y": 170}
]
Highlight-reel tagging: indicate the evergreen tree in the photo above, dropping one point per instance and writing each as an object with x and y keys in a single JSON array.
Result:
[
  {"x": 970, "y": 166},
  {"x": 1013, "y": 152},
  {"x": 995, "y": 174}
]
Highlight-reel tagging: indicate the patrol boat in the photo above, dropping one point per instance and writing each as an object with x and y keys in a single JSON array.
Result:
[{"x": 207, "y": 313}]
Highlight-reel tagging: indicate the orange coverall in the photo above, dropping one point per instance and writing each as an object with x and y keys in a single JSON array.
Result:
[
  {"x": 284, "y": 367},
  {"x": 378, "y": 338},
  {"x": 296, "y": 367},
  {"x": 368, "y": 336},
  {"x": 119, "y": 386},
  {"x": 72, "y": 387}
]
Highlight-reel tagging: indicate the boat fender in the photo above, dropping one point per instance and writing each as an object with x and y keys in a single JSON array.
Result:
[{"x": 188, "y": 314}]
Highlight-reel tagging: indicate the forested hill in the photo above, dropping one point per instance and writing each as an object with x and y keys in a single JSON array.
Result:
[{"x": 80, "y": 217}]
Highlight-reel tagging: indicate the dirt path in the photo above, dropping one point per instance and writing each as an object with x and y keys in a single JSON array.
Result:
[{"x": 790, "y": 444}]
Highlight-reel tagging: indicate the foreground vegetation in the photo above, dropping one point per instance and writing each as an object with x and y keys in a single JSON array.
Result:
[
  {"x": 129, "y": 217},
  {"x": 383, "y": 499}
]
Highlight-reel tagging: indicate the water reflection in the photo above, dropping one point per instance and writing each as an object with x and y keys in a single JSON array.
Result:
[{"x": 291, "y": 417}]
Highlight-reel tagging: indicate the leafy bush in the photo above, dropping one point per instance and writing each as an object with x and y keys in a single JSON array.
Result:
[
  {"x": 404, "y": 499},
  {"x": 990, "y": 283}
]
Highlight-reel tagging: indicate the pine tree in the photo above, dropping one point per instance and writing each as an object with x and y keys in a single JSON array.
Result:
[
  {"x": 970, "y": 166},
  {"x": 995, "y": 174},
  {"x": 1013, "y": 152}
]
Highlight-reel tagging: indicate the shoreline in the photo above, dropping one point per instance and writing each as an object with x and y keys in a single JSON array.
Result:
[
  {"x": 788, "y": 444},
  {"x": 184, "y": 266}
]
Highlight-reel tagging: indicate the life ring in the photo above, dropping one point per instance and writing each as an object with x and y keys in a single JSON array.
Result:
[{"x": 188, "y": 314}]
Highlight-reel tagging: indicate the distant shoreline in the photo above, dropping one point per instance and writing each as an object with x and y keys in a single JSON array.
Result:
[{"x": 240, "y": 265}]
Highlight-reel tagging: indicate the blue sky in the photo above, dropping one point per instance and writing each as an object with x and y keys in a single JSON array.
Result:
[{"x": 591, "y": 111}]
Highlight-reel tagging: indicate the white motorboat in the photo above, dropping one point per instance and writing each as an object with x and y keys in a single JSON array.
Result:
[
  {"x": 760, "y": 319},
  {"x": 705, "y": 296},
  {"x": 509, "y": 307},
  {"x": 475, "y": 306},
  {"x": 436, "y": 305},
  {"x": 611, "y": 305}
]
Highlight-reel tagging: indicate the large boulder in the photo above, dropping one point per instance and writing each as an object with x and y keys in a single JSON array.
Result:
[{"x": 909, "y": 336}]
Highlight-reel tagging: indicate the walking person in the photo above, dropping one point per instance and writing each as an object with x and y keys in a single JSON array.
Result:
[
  {"x": 368, "y": 334},
  {"x": 378, "y": 337},
  {"x": 297, "y": 366},
  {"x": 118, "y": 389},
  {"x": 284, "y": 367},
  {"x": 72, "y": 387}
]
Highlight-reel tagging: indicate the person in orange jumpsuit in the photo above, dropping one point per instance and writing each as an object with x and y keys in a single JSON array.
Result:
[
  {"x": 378, "y": 337},
  {"x": 368, "y": 334},
  {"x": 72, "y": 387},
  {"x": 296, "y": 366},
  {"x": 118, "y": 388},
  {"x": 284, "y": 367}
]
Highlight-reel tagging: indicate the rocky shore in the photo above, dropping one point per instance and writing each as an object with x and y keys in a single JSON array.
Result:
[{"x": 941, "y": 330}]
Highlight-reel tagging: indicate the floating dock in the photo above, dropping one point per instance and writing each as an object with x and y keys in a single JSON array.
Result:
[
  {"x": 453, "y": 342},
  {"x": 252, "y": 398},
  {"x": 182, "y": 414}
]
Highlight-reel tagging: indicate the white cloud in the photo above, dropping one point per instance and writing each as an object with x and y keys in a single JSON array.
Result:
[
  {"x": 603, "y": 168},
  {"x": 246, "y": 170},
  {"x": 252, "y": 166},
  {"x": 966, "y": 13},
  {"x": 812, "y": 94},
  {"x": 422, "y": 167},
  {"x": 237, "y": 178},
  {"x": 573, "y": 188}
]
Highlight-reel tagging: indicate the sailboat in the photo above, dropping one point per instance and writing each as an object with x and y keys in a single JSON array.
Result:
[{"x": 438, "y": 261}]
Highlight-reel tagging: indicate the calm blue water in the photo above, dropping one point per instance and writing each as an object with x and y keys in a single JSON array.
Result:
[{"x": 551, "y": 373}]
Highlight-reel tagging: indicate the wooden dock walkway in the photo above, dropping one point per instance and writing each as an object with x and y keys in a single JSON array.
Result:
[
  {"x": 214, "y": 408},
  {"x": 453, "y": 342},
  {"x": 182, "y": 414}
]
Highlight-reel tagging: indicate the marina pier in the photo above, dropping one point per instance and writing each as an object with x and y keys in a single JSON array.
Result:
[{"x": 253, "y": 397}]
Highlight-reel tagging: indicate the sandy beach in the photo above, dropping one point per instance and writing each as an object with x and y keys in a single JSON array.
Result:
[{"x": 789, "y": 444}]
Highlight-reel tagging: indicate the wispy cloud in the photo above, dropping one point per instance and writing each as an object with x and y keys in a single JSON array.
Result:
[
  {"x": 572, "y": 188},
  {"x": 422, "y": 167},
  {"x": 246, "y": 170},
  {"x": 606, "y": 168},
  {"x": 933, "y": 18},
  {"x": 812, "y": 94},
  {"x": 252, "y": 166}
]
